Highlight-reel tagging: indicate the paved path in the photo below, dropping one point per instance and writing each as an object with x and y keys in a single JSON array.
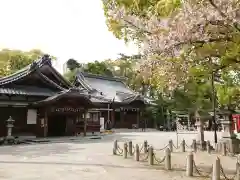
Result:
[{"x": 84, "y": 159}]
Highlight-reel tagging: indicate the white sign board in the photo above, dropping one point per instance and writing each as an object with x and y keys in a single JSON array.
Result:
[
  {"x": 102, "y": 123},
  {"x": 32, "y": 116}
]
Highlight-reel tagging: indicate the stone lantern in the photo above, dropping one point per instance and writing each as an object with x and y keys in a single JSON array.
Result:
[
  {"x": 228, "y": 135},
  {"x": 9, "y": 126},
  {"x": 199, "y": 124}
]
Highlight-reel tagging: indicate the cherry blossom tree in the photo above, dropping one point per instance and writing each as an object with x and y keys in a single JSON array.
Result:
[{"x": 177, "y": 36}]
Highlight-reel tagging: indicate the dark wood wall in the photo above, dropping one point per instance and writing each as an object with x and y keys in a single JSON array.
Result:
[{"x": 19, "y": 114}]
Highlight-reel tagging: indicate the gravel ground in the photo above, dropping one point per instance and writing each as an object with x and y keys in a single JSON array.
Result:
[{"x": 93, "y": 159}]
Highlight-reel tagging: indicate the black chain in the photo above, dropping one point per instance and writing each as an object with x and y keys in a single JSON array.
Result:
[
  {"x": 224, "y": 175},
  {"x": 162, "y": 148},
  {"x": 200, "y": 173},
  {"x": 159, "y": 161}
]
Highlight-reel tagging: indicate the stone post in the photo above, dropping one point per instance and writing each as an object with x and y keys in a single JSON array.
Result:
[
  {"x": 224, "y": 149},
  {"x": 150, "y": 155},
  {"x": 137, "y": 153},
  {"x": 115, "y": 147},
  {"x": 208, "y": 147},
  {"x": 170, "y": 144},
  {"x": 189, "y": 167},
  {"x": 130, "y": 148},
  {"x": 216, "y": 169},
  {"x": 125, "y": 149},
  {"x": 194, "y": 145},
  {"x": 183, "y": 146},
  {"x": 237, "y": 171},
  {"x": 167, "y": 159},
  {"x": 145, "y": 146}
]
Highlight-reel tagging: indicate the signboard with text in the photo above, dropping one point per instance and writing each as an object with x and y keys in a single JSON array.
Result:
[{"x": 66, "y": 110}]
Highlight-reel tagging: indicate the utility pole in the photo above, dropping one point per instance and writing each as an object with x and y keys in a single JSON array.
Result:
[{"x": 214, "y": 105}]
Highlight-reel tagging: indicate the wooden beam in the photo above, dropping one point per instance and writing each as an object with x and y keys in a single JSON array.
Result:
[{"x": 13, "y": 103}]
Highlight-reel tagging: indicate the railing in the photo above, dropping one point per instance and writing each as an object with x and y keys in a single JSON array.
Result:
[{"x": 146, "y": 153}]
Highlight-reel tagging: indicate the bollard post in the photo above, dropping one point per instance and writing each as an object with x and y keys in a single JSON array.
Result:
[
  {"x": 208, "y": 147},
  {"x": 150, "y": 155},
  {"x": 145, "y": 146},
  {"x": 125, "y": 151},
  {"x": 216, "y": 169},
  {"x": 224, "y": 149},
  {"x": 170, "y": 144},
  {"x": 237, "y": 171},
  {"x": 194, "y": 145},
  {"x": 130, "y": 148},
  {"x": 189, "y": 167},
  {"x": 167, "y": 159},
  {"x": 137, "y": 153},
  {"x": 183, "y": 146},
  {"x": 115, "y": 146}
]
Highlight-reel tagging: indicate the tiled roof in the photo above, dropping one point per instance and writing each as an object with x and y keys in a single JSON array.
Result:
[
  {"x": 74, "y": 93},
  {"x": 111, "y": 88},
  {"x": 108, "y": 86},
  {"x": 26, "y": 90}
]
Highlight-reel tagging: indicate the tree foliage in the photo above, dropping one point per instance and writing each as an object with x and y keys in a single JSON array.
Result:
[
  {"x": 174, "y": 28},
  {"x": 183, "y": 42},
  {"x": 14, "y": 60},
  {"x": 72, "y": 64}
]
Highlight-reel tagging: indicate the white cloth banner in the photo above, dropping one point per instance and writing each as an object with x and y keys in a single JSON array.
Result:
[
  {"x": 102, "y": 123},
  {"x": 32, "y": 116}
]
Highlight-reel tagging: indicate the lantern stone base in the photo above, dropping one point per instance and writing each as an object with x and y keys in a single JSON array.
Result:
[
  {"x": 9, "y": 140},
  {"x": 232, "y": 145}
]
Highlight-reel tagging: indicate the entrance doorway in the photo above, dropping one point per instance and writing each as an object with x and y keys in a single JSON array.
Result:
[{"x": 57, "y": 125}]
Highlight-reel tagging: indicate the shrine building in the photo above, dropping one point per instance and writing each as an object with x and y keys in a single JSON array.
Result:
[{"x": 43, "y": 103}]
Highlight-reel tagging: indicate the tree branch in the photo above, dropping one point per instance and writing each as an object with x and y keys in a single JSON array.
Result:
[
  {"x": 194, "y": 43},
  {"x": 235, "y": 24},
  {"x": 218, "y": 9},
  {"x": 138, "y": 28}
]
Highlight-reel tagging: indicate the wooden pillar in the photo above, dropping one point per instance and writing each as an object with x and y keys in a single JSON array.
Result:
[
  {"x": 138, "y": 118},
  {"x": 121, "y": 118},
  {"x": 85, "y": 122},
  {"x": 113, "y": 117},
  {"x": 45, "y": 126}
]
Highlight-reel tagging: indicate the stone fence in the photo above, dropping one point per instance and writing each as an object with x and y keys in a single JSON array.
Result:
[{"x": 146, "y": 153}]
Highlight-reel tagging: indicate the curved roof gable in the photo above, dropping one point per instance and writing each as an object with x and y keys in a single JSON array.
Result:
[{"x": 37, "y": 67}]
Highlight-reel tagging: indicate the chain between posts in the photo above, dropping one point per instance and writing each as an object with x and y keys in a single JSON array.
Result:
[
  {"x": 140, "y": 150},
  {"x": 162, "y": 148},
  {"x": 133, "y": 149},
  {"x": 225, "y": 176},
  {"x": 200, "y": 173},
  {"x": 119, "y": 150},
  {"x": 144, "y": 156},
  {"x": 215, "y": 172},
  {"x": 158, "y": 161}
]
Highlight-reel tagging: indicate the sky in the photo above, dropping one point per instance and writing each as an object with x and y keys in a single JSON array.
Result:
[{"x": 63, "y": 28}]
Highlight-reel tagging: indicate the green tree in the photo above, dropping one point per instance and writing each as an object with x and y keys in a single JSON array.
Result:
[
  {"x": 72, "y": 64},
  {"x": 97, "y": 67},
  {"x": 14, "y": 60}
]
